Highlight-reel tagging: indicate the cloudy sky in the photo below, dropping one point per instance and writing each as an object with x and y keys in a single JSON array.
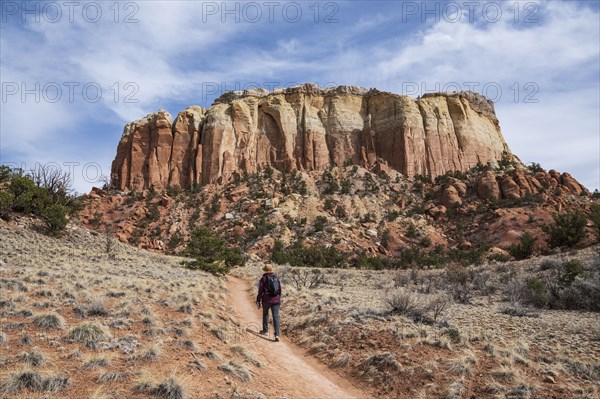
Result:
[{"x": 73, "y": 73}]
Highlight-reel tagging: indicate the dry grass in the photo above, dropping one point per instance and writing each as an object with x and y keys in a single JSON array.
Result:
[
  {"x": 110, "y": 377},
  {"x": 237, "y": 370},
  {"x": 170, "y": 388},
  {"x": 149, "y": 354},
  {"x": 33, "y": 381},
  {"x": 33, "y": 358},
  {"x": 122, "y": 303},
  {"x": 380, "y": 366},
  {"x": 348, "y": 326},
  {"x": 351, "y": 319},
  {"x": 89, "y": 333},
  {"x": 247, "y": 355},
  {"x": 92, "y": 308},
  {"x": 49, "y": 320},
  {"x": 341, "y": 360},
  {"x": 96, "y": 362},
  {"x": 197, "y": 364},
  {"x": 456, "y": 390}
]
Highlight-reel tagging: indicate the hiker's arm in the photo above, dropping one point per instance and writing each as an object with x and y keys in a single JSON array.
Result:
[{"x": 261, "y": 289}]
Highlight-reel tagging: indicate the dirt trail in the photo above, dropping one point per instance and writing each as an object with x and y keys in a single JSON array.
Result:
[{"x": 289, "y": 371}]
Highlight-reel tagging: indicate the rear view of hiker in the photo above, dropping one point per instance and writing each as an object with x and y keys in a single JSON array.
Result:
[{"x": 269, "y": 297}]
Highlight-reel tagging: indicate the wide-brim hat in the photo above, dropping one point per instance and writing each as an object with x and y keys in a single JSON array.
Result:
[{"x": 267, "y": 268}]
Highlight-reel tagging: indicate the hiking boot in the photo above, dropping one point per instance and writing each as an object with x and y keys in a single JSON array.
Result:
[
  {"x": 263, "y": 332},
  {"x": 276, "y": 338}
]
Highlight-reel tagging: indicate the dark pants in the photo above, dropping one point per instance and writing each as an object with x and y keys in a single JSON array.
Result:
[{"x": 275, "y": 310}]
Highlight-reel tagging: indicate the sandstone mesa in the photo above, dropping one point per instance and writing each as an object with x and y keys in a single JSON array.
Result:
[{"x": 309, "y": 129}]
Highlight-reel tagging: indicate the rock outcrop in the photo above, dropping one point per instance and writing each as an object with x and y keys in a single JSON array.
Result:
[
  {"x": 517, "y": 185},
  {"x": 308, "y": 128}
]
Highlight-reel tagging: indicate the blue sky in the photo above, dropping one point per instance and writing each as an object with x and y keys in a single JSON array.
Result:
[{"x": 538, "y": 60}]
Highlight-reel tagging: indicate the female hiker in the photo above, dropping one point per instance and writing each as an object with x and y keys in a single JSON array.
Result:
[{"x": 269, "y": 296}]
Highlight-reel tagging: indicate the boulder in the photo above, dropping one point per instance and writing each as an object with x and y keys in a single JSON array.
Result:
[
  {"x": 450, "y": 197},
  {"x": 570, "y": 183},
  {"x": 487, "y": 186},
  {"x": 371, "y": 233},
  {"x": 509, "y": 188}
]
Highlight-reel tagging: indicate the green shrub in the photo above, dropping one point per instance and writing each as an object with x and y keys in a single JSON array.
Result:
[
  {"x": 24, "y": 192},
  {"x": 535, "y": 167},
  {"x": 55, "y": 217},
  {"x": 332, "y": 184},
  {"x": 536, "y": 292},
  {"x": 329, "y": 204},
  {"x": 595, "y": 217},
  {"x": 211, "y": 253},
  {"x": 340, "y": 212},
  {"x": 570, "y": 271},
  {"x": 568, "y": 229},
  {"x": 582, "y": 294},
  {"x": 363, "y": 261},
  {"x": 320, "y": 222},
  {"x": 524, "y": 249},
  {"x": 43, "y": 192},
  {"x": 369, "y": 217},
  {"x": 6, "y": 203},
  {"x": 261, "y": 228},
  {"x": 393, "y": 215},
  {"x": 279, "y": 255},
  {"x": 499, "y": 257},
  {"x": 386, "y": 238},
  {"x": 175, "y": 240},
  {"x": 300, "y": 255},
  {"x": 346, "y": 185},
  {"x": 5, "y": 173}
]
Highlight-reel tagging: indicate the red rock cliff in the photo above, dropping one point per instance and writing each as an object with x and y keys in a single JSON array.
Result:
[{"x": 307, "y": 128}]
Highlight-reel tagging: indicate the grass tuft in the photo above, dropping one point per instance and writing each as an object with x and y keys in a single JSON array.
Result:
[
  {"x": 89, "y": 333},
  {"x": 33, "y": 358},
  {"x": 342, "y": 360},
  {"x": 96, "y": 362},
  {"x": 49, "y": 320},
  {"x": 33, "y": 381},
  {"x": 149, "y": 354},
  {"x": 237, "y": 370},
  {"x": 112, "y": 376},
  {"x": 247, "y": 355},
  {"x": 168, "y": 389},
  {"x": 197, "y": 364},
  {"x": 95, "y": 307}
]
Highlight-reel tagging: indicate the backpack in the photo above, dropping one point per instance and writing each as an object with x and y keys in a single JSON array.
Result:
[{"x": 273, "y": 288}]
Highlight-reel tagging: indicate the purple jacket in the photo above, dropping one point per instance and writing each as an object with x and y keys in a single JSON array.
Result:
[{"x": 263, "y": 296}]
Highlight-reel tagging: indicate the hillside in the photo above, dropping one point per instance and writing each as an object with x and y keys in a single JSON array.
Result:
[
  {"x": 78, "y": 322},
  {"x": 477, "y": 214}
]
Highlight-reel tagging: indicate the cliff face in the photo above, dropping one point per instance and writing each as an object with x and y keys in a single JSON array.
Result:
[{"x": 307, "y": 128}]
